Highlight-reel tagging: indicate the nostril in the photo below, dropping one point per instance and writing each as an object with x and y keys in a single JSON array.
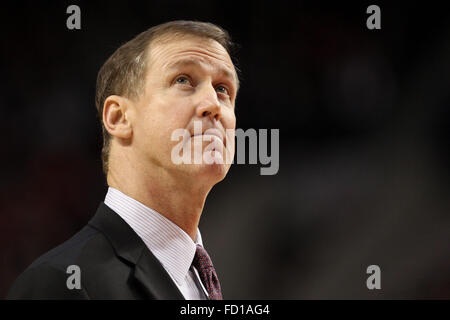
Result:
[{"x": 206, "y": 113}]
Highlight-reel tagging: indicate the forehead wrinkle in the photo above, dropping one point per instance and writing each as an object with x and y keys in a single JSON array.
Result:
[
  {"x": 165, "y": 52},
  {"x": 199, "y": 62}
]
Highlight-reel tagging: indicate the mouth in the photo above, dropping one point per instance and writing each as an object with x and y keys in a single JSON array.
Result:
[{"x": 212, "y": 133}]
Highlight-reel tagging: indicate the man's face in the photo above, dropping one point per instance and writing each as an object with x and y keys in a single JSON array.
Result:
[{"x": 188, "y": 81}]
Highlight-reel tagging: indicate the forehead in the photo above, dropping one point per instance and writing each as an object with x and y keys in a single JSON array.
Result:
[{"x": 176, "y": 51}]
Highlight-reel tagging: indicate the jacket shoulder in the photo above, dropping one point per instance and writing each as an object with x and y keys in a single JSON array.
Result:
[{"x": 47, "y": 277}]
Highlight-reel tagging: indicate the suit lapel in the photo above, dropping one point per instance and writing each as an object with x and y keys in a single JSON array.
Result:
[
  {"x": 148, "y": 271},
  {"x": 151, "y": 274}
]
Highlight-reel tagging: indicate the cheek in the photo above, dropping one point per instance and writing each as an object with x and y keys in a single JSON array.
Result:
[
  {"x": 229, "y": 119},
  {"x": 229, "y": 123},
  {"x": 165, "y": 116},
  {"x": 162, "y": 113},
  {"x": 176, "y": 118}
]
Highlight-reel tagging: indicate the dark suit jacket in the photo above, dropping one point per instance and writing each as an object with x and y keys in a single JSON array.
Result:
[{"x": 114, "y": 263}]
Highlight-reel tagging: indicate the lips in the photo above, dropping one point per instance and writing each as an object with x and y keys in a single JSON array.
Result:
[{"x": 212, "y": 132}]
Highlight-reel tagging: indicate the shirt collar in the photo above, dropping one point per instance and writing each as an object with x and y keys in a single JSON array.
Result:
[{"x": 170, "y": 244}]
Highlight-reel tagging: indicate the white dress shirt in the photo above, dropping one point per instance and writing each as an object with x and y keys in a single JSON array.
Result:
[{"x": 169, "y": 243}]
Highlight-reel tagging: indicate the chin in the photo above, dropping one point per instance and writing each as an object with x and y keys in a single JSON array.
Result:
[
  {"x": 208, "y": 173},
  {"x": 205, "y": 173},
  {"x": 215, "y": 172}
]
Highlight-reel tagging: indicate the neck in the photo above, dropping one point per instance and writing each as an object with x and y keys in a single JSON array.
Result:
[{"x": 181, "y": 203}]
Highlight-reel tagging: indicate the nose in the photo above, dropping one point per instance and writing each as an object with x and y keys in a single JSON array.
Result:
[{"x": 209, "y": 105}]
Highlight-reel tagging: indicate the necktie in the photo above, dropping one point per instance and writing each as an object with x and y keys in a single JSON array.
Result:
[{"x": 202, "y": 262}]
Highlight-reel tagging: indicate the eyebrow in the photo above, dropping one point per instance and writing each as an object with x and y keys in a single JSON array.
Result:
[{"x": 188, "y": 62}]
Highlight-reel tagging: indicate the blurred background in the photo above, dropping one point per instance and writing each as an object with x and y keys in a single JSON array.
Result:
[{"x": 364, "y": 128}]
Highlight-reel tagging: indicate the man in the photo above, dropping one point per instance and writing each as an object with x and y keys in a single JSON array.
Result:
[{"x": 144, "y": 242}]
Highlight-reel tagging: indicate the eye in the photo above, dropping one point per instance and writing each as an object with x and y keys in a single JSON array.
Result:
[
  {"x": 183, "y": 80},
  {"x": 222, "y": 89}
]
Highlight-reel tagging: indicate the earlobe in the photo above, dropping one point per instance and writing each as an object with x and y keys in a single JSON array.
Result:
[{"x": 115, "y": 117}]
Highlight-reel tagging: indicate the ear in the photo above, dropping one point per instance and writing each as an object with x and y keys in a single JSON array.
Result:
[{"x": 115, "y": 118}]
